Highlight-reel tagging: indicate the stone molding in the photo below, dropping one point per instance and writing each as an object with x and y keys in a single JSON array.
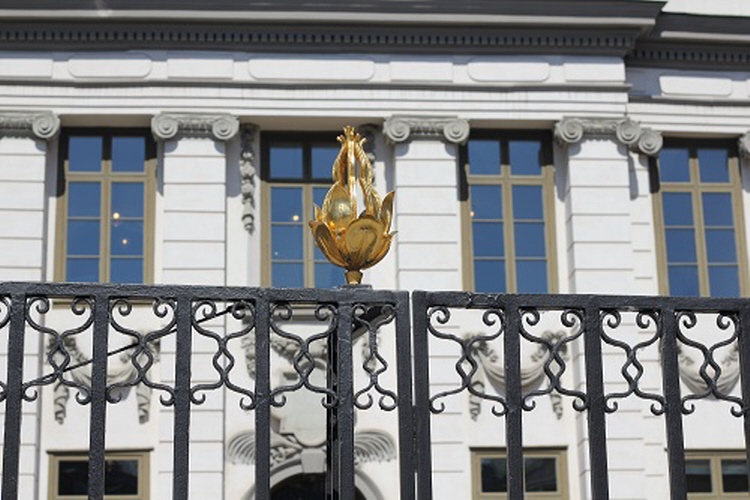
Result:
[
  {"x": 167, "y": 126},
  {"x": 404, "y": 128},
  {"x": 744, "y": 145},
  {"x": 248, "y": 172},
  {"x": 42, "y": 125},
  {"x": 628, "y": 132}
]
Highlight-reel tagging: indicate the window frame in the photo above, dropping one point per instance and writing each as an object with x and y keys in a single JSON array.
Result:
[
  {"x": 717, "y": 486},
  {"x": 507, "y": 181},
  {"x": 106, "y": 177},
  {"x": 559, "y": 454},
  {"x": 307, "y": 183},
  {"x": 696, "y": 188},
  {"x": 144, "y": 469}
]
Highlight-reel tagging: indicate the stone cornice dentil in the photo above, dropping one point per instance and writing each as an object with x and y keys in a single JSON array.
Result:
[
  {"x": 640, "y": 139},
  {"x": 166, "y": 126},
  {"x": 42, "y": 125},
  {"x": 403, "y": 128}
]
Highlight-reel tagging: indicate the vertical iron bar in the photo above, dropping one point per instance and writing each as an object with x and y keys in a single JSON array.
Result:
[
  {"x": 262, "y": 398},
  {"x": 332, "y": 443},
  {"x": 514, "y": 396},
  {"x": 673, "y": 405},
  {"x": 405, "y": 409},
  {"x": 13, "y": 398},
  {"x": 97, "y": 427},
  {"x": 181, "y": 449},
  {"x": 423, "y": 465},
  {"x": 345, "y": 406},
  {"x": 744, "y": 340},
  {"x": 597, "y": 422}
]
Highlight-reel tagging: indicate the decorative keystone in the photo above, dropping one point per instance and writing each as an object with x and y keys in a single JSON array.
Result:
[
  {"x": 628, "y": 132},
  {"x": 402, "y": 128},
  {"x": 166, "y": 126}
]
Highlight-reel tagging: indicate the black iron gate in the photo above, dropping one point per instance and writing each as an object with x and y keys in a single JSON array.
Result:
[{"x": 506, "y": 321}]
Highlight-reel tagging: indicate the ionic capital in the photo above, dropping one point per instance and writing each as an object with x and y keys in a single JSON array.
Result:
[
  {"x": 744, "y": 145},
  {"x": 166, "y": 126},
  {"x": 43, "y": 125},
  {"x": 403, "y": 128},
  {"x": 628, "y": 132}
]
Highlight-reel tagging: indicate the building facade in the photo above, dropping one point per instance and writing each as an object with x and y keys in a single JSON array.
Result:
[{"x": 583, "y": 146}]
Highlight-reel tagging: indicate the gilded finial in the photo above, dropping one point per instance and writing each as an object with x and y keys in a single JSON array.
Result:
[{"x": 353, "y": 242}]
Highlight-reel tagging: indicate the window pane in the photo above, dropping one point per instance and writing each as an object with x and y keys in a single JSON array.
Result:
[
  {"x": 674, "y": 165},
  {"x": 531, "y": 276},
  {"x": 72, "y": 477},
  {"x": 723, "y": 281},
  {"x": 83, "y": 237},
  {"x": 540, "y": 474},
  {"x": 286, "y": 161},
  {"x": 488, "y": 239},
  {"x": 84, "y": 199},
  {"x": 127, "y": 199},
  {"x": 494, "y": 475},
  {"x": 85, "y": 154},
  {"x": 489, "y": 276},
  {"x": 124, "y": 270},
  {"x": 328, "y": 276},
  {"x": 720, "y": 245},
  {"x": 486, "y": 202},
  {"x": 717, "y": 209},
  {"x": 322, "y": 156},
  {"x": 82, "y": 270},
  {"x": 286, "y": 204},
  {"x": 287, "y": 275},
  {"x": 286, "y": 242},
  {"x": 734, "y": 476},
  {"x": 713, "y": 164},
  {"x": 527, "y": 202},
  {"x": 484, "y": 157},
  {"x": 121, "y": 477},
  {"x": 678, "y": 209},
  {"x": 319, "y": 194},
  {"x": 681, "y": 246},
  {"x": 529, "y": 239},
  {"x": 683, "y": 281},
  {"x": 525, "y": 157},
  {"x": 128, "y": 154},
  {"x": 127, "y": 238},
  {"x": 698, "y": 476}
]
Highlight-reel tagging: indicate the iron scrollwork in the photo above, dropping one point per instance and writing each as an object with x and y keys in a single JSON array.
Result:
[{"x": 374, "y": 363}]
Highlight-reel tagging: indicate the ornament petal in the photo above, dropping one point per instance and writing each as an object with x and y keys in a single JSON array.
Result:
[{"x": 327, "y": 243}]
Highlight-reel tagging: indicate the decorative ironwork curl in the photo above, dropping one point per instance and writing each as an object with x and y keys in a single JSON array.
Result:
[
  {"x": 241, "y": 311},
  {"x": 374, "y": 363},
  {"x": 490, "y": 318},
  {"x": 302, "y": 359},
  {"x": 143, "y": 356},
  {"x": 556, "y": 347},
  {"x": 688, "y": 320},
  {"x": 58, "y": 355},
  {"x": 644, "y": 319}
]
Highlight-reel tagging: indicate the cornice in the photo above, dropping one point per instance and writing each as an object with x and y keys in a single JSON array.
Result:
[
  {"x": 166, "y": 126},
  {"x": 628, "y": 132},
  {"x": 42, "y": 125},
  {"x": 404, "y": 128}
]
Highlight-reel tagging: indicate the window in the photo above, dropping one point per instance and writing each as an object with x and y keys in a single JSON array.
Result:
[
  {"x": 125, "y": 476},
  {"x": 507, "y": 213},
  {"x": 700, "y": 234},
  {"x": 105, "y": 210},
  {"x": 296, "y": 174},
  {"x": 716, "y": 475},
  {"x": 545, "y": 475}
]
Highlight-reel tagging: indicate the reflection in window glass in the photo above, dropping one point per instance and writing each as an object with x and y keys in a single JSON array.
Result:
[
  {"x": 494, "y": 475},
  {"x": 698, "y": 474},
  {"x": 734, "y": 476},
  {"x": 540, "y": 474},
  {"x": 121, "y": 478}
]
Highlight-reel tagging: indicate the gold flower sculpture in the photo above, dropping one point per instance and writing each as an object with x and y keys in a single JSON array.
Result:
[{"x": 347, "y": 240}]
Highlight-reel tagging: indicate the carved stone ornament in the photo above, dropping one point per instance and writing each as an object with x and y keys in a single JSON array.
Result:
[
  {"x": 42, "y": 125},
  {"x": 744, "y": 145},
  {"x": 402, "y": 128},
  {"x": 628, "y": 132},
  {"x": 248, "y": 171},
  {"x": 166, "y": 126}
]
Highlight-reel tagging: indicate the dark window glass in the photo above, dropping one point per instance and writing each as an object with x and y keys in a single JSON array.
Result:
[
  {"x": 322, "y": 157},
  {"x": 525, "y": 157},
  {"x": 494, "y": 475},
  {"x": 713, "y": 164},
  {"x": 674, "y": 165},
  {"x": 734, "y": 476},
  {"x": 85, "y": 154},
  {"x": 120, "y": 477},
  {"x": 286, "y": 161},
  {"x": 540, "y": 474},
  {"x": 128, "y": 154},
  {"x": 698, "y": 474},
  {"x": 484, "y": 157}
]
